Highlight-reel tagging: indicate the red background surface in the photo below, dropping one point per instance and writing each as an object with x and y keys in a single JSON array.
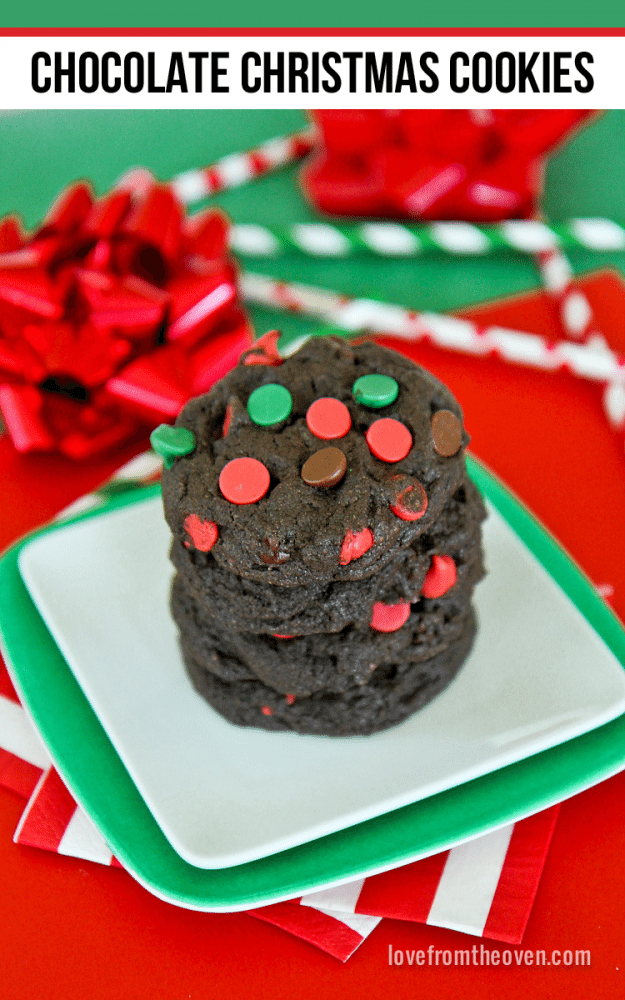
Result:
[{"x": 75, "y": 930}]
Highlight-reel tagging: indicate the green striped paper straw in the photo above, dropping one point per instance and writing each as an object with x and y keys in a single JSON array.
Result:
[{"x": 396, "y": 239}]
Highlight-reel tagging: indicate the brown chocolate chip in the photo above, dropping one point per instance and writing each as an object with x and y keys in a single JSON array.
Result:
[
  {"x": 325, "y": 468},
  {"x": 446, "y": 433}
]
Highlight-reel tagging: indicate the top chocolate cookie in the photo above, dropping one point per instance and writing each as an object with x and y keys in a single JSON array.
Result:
[{"x": 319, "y": 468}]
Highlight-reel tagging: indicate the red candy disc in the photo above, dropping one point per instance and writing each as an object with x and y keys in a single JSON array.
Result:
[
  {"x": 328, "y": 418},
  {"x": 389, "y": 440},
  {"x": 410, "y": 503},
  {"x": 244, "y": 480},
  {"x": 440, "y": 577},
  {"x": 203, "y": 534},
  {"x": 389, "y": 617},
  {"x": 290, "y": 698},
  {"x": 355, "y": 544},
  {"x": 266, "y": 710}
]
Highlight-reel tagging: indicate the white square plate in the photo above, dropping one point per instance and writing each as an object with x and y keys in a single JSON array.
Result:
[{"x": 538, "y": 675}]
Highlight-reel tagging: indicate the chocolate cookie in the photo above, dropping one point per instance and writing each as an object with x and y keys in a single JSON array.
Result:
[
  {"x": 243, "y": 494},
  {"x": 326, "y": 538}
]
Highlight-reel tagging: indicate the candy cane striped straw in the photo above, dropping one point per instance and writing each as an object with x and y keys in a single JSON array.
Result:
[
  {"x": 395, "y": 239},
  {"x": 575, "y": 311},
  {"x": 579, "y": 323},
  {"x": 351, "y": 316},
  {"x": 231, "y": 171},
  {"x": 238, "y": 168}
]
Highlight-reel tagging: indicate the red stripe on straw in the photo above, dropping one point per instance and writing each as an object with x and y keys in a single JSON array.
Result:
[
  {"x": 302, "y": 144},
  {"x": 213, "y": 179},
  {"x": 259, "y": 163}
]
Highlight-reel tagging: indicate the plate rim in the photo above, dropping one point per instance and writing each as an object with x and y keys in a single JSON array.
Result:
[{"x": 403, "y": 835}]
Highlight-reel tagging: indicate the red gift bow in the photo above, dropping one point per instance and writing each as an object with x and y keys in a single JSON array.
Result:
[
  {"x": 480, "y": 165},
  {"x": 113, "y": 313}
]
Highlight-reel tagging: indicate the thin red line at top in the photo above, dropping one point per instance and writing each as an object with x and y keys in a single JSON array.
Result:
[{"x": 313, "y": 32}]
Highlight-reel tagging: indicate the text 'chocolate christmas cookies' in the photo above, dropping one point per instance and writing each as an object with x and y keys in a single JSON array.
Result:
[{"x": 326, "y": 538}]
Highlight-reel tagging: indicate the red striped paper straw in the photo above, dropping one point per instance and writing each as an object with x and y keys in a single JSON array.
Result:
[
  {"x": 355, "y": 316},
  {"x": 594, "y": 362},
  {"x": 574, "y": 309},
  {"x": 230, "y": 171},
  {"x": 239, "y": 168},
  {"x": 578, "y": 321}
]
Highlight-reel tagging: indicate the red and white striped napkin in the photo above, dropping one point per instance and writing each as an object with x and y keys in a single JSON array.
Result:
[{"x": 485, "y": 887}]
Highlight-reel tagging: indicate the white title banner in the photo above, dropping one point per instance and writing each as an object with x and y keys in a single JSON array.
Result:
[{"x": 323, "y": 72}]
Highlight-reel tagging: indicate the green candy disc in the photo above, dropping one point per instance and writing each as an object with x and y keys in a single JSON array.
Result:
[
  {"x": 269, "y": 404},
  {"x": 172, "y": 442},
  {"x": 375, "y": 391}
]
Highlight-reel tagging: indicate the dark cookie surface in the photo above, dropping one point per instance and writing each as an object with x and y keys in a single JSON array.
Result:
[
  {"x": 392, "y": 693},
  {"x": 295, "y": 533},
  {"x": 322, "y": 661}
]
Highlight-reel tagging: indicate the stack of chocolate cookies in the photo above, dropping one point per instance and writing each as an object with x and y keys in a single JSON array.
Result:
[{"x": 326, "y": 538}]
